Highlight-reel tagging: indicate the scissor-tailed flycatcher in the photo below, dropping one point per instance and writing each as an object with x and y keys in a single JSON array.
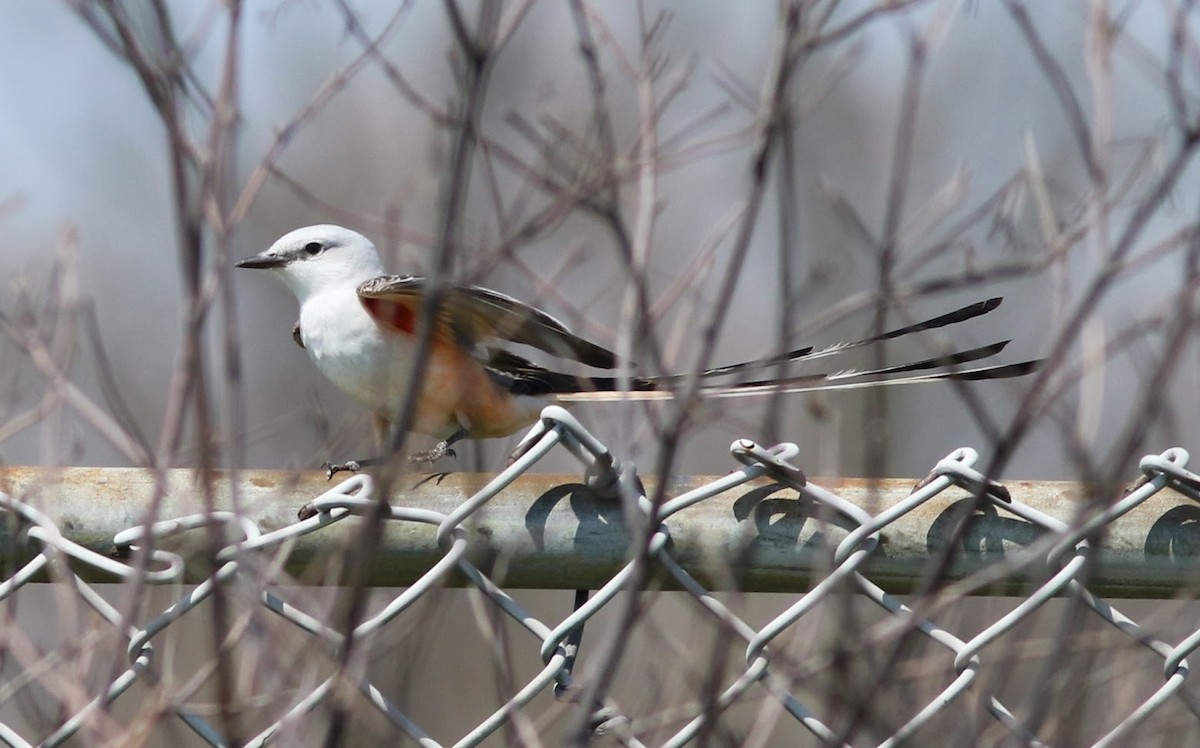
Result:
[{"x": 359, "y": 326}]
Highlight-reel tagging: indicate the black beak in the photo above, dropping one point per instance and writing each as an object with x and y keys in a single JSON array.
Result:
[{"x": 263, "y": 261}]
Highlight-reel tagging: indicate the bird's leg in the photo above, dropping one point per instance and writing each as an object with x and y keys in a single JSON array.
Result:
[
  {"x": 382, "y": 432},
  {"x": 440, "y": 450},
  {"x": 383, "y": 438}
]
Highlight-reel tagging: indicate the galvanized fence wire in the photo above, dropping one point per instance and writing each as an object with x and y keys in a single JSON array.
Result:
[{"x": 1063, "y": 547}]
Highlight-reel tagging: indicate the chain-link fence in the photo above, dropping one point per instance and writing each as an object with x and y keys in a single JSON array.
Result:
[{"x": 647, "y": 540}]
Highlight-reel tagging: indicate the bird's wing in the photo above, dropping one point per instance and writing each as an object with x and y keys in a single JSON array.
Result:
[{"x": 473, "y": 314}]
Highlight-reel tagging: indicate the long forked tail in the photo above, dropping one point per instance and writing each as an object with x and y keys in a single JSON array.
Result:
[{"x": 933, "y": 369}]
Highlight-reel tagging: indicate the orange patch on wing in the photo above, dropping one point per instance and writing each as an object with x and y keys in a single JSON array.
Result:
[{"x": 392, "y": 315}]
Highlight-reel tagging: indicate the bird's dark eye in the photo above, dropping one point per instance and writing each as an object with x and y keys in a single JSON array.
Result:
[{"x": 313, "y": 248}]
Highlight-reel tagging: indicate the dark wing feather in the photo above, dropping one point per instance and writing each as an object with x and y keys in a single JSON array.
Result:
[
  {"x": 520, "y": 376},
  {"x": 475, "y": 314}
]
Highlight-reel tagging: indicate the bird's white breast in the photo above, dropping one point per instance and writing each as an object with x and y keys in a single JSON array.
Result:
[{"x": 370, "y": 365}]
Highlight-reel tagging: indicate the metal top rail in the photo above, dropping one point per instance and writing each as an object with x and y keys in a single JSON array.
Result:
[{"x": 551, "y": 531}]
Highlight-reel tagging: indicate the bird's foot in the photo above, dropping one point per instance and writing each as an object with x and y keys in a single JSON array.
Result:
[
  {"x": 429, "y": 456},
  {"x": 333, "y": 468}
]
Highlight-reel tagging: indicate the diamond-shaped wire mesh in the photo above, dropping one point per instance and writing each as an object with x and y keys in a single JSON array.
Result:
[{"x": 769, "y": 668}]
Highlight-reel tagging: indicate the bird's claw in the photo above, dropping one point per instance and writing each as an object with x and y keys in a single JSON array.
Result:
[
  {"x": 436, "y": 478},
  {"x": 333, "y": 468},
  {"x": 440, "y": 450}
]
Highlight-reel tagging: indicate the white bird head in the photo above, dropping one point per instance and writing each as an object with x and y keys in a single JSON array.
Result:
[{"x": 316, "y": 258}]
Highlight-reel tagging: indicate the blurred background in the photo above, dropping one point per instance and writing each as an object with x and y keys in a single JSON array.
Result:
[
  {"x": 936, "y": 153},
  {"x": 83, "y": 151}
]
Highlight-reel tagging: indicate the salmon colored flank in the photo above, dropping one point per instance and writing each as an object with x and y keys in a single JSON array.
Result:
[
  {"x": 391, "y": 315},
  {"x": 456, "y": 388}
]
